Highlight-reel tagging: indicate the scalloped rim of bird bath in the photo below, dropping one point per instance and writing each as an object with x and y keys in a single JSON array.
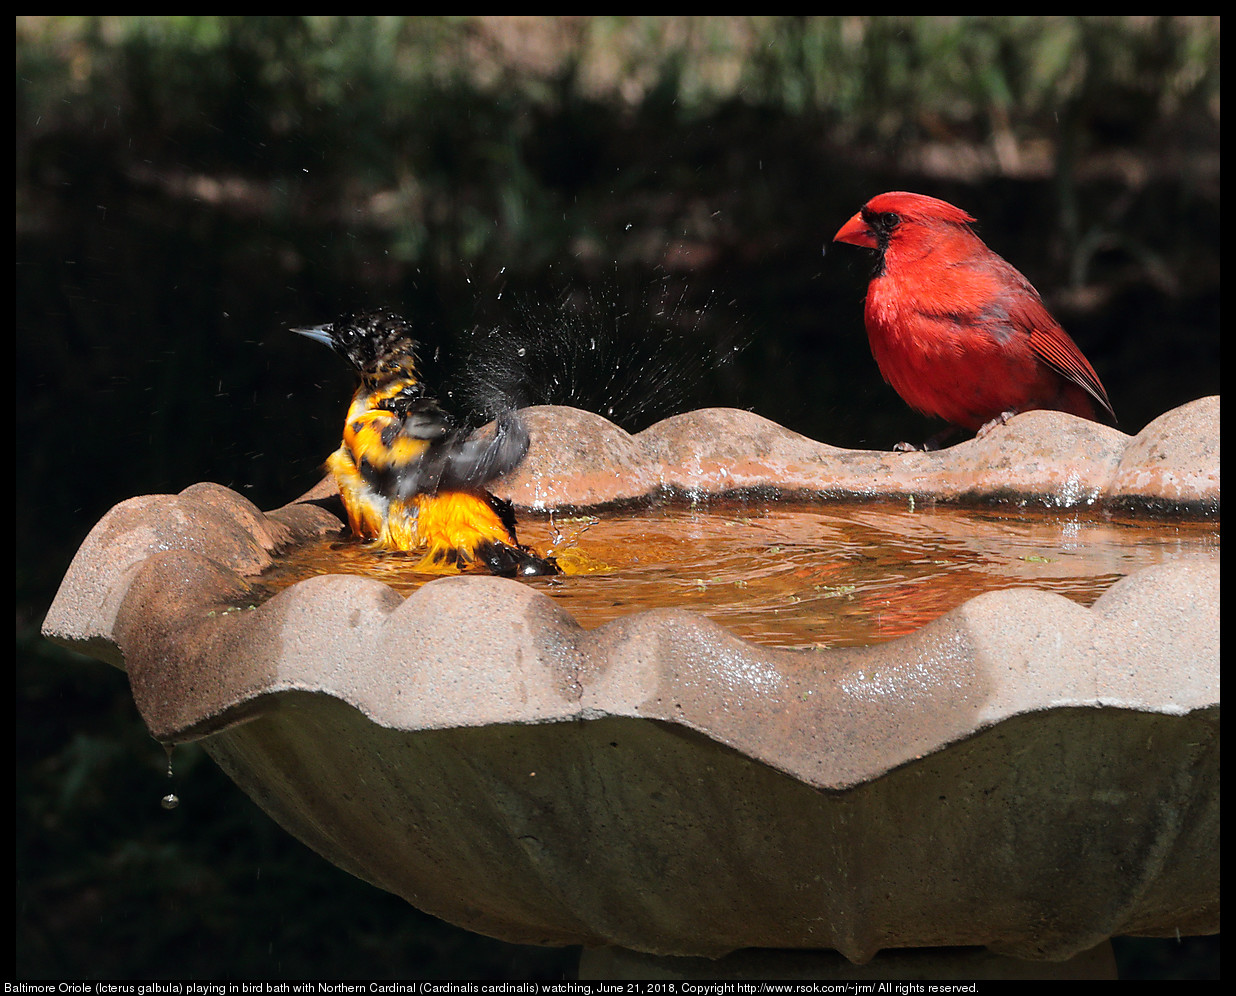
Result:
[{"x": 373, "y": 764}]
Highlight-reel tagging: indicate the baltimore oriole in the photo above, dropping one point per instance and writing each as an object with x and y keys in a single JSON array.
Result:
[{"x": 409, "y": 478}]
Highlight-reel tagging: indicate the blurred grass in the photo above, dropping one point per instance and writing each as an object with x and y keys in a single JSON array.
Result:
[
  {"x": 188, "y": 187},
  {"x": 462, "y": 136}
]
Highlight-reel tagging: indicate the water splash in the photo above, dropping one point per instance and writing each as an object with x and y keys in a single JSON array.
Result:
[{"x": 635, "y": 357}]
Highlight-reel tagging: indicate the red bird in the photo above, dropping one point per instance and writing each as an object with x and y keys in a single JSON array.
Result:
[{"x": 958, "y": 332}]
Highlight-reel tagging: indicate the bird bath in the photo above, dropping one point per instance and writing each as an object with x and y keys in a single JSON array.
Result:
[{"x": 1017, "y": 780}]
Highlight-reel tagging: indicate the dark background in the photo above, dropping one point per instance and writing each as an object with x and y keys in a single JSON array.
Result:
[{"x": 639, "y": 203}]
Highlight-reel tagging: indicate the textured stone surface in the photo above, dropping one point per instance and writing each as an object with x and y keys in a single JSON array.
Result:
[
  {"x": 1023, "y": 774},
  {"x": 1042, "y": 457},
  {"x": 1175, "y": 459}
]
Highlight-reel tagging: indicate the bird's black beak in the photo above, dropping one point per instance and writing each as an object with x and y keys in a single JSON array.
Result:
[{"x": 319, "y": 333}]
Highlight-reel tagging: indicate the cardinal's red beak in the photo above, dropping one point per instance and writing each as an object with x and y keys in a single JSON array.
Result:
[{"x": 856, "y": 233}]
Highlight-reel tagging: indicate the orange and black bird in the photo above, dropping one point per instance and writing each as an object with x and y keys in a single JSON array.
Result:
[{"x": 410, "y": 479}]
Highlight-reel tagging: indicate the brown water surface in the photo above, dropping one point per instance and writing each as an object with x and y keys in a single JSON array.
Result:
[{"x": 794, "y": 573}]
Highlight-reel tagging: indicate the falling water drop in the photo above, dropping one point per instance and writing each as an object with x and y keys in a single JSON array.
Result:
[{"x": 171, "y": 800}]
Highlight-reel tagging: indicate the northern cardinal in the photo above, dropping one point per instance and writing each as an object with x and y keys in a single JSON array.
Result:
[
  {"x": 409, "y": 478},
  {"x": 958, "y": 332}
]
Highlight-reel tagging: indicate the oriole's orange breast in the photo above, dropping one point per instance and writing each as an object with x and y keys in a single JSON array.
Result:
[
  {"x": 363, "y": 429},
  {"x": 367, "y": 510}
]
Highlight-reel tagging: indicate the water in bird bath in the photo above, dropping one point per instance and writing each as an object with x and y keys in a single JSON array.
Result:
[{"x": 800, "y": 573}]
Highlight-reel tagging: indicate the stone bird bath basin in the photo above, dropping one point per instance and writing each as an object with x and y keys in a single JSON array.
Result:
[{"x": 1024, "y": 777}]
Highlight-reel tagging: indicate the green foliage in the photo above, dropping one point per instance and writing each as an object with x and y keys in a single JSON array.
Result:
[{"x": 444, "y": 115}]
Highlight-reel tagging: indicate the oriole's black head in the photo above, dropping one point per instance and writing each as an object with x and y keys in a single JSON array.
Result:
[{"x": 376, "y": 343}]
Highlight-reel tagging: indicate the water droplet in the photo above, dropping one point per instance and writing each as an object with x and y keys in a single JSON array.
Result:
[{"x": 171, "y": 800}]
